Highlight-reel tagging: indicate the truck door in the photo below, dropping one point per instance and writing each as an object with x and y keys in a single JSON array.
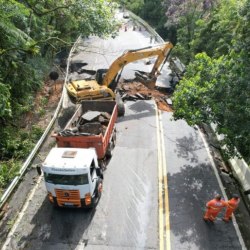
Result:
[{"x": 93, "y": 177}]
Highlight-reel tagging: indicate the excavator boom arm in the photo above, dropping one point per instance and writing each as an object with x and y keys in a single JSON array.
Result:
[{"x": 161, "y": 51}]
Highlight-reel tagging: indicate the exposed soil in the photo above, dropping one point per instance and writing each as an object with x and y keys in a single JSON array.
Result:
[
  {"x": 51, "y": 92},
  {"x": 130, "y": 91},
  {"x": 45, "y": 102}
]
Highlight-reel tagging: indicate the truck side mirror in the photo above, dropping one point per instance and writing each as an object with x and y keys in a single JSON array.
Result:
[
  {"x": 247, "y": 192},
  {"x": 38, "y": 169},
  {"x": 98, "y": 171}
]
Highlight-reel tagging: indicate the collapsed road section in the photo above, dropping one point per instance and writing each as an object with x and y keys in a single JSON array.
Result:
[{"x": 134, "y": 91}]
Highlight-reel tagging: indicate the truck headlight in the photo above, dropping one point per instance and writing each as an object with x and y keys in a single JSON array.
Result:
[
  {"x": 50, "y": 197},
  {"x": 87, "y": 199}
]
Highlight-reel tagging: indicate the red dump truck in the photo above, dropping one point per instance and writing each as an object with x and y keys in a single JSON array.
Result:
[
  {"x": 91, "y": 126},
  {"x": 73, "y": 170}
]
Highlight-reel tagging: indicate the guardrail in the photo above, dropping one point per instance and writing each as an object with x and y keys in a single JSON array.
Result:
[
  {"x": 31, "y": 156},
  {"x": 241, "y": 172},
  {"x": 240, "y": 169},
  {"x": 146, "y": 25}
]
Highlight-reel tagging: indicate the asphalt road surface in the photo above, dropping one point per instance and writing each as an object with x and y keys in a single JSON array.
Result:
[
  {"x": 127, "y": 216},
  {"x": 191, "y": 183},
  {"x": 155, "y": 188},
  {"x": 99, "y": 53}
]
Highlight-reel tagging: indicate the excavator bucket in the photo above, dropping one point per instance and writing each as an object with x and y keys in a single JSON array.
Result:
[
  {"x": 146, "y": 79},
  {"x": 149, "y": 84}
]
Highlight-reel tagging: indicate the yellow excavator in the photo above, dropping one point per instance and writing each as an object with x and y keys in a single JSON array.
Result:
[{"x": 104, "y": 85}]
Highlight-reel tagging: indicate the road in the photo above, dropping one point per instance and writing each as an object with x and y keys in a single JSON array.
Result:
[
  {"x": 99, "y": 53},
  {"x": 155, "y": 189},
  {"x": 127, "y": 214},
  {"x": 191, "y": 183}
]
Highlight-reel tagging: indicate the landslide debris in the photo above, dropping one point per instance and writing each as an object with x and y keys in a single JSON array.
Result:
[
  {"x": 89, "y": 123},
  {"x": 132, "y": 90}
]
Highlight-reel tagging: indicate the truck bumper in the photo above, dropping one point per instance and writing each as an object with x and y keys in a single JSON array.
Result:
[{"x": 79, "y": 204}]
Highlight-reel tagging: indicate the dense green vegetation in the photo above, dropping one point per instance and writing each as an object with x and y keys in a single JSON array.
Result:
[
  {"x": 212, "y": 38},
  {"x": 32, "y": 32}
]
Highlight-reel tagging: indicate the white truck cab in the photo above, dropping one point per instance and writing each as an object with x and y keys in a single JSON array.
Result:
[{"x": 72, "y": 177}]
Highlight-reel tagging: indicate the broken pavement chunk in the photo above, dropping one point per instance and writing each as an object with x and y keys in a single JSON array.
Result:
[
  {"x": 94, "y": 128},
  {"x": 140, "y": 96},
  {"x": 106, "y": 115},
  {"x": 91, "y": 115},
  {"x": 103, "y": 120},
  {"x": 169, "y": 101}
]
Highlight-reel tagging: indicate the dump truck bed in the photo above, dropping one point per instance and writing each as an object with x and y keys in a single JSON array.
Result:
[{"x": 83, "y": 129}]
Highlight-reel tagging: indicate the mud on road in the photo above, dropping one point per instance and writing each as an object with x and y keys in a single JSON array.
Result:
[{"x": 132, "y": 90}]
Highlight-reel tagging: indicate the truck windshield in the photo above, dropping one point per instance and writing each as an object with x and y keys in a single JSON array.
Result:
[{"x": 66, "y": 179}]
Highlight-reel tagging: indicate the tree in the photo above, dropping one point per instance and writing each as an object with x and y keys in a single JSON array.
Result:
[
  {"x": 5, "y": 110},
  {"x": 183, "y": 15},
  {"x": 133, "y": 5},
  {"x": 221, "y": 25},
  {"x": 217, "y": 90},
  {"x": 153, "y": 13},
  {"x": 31, "y": 33}
]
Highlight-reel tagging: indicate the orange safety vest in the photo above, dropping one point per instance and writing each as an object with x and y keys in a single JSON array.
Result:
[
  {"x": 233, "y": 203},
  {"x": 215, "y": 205},
  {"x": 213, "y": 208},
  {"x": 231, "y": 206}
]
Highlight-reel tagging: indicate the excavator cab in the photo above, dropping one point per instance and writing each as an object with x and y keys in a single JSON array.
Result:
[{"x": 100, "y": 73}]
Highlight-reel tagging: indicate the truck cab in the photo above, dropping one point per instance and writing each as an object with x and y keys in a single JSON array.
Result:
[{"x": 72, "y": 177}]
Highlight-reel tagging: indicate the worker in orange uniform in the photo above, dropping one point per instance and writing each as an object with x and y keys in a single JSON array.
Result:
[
  {"x": 231, "y": 207},
  {"x": 213, "y": 208}
]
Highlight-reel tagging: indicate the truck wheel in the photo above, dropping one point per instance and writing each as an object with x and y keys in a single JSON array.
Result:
[
  {"x": 101, "y": 174},
  {"x": 98, "y": 192},
  {"x": 109, "y": 152},
  {"x": 114, "y": 137},
  {"x": 120, "y": 105},
  {"x": 103, "y": 164},
  {"x": 121, "y": 109}
]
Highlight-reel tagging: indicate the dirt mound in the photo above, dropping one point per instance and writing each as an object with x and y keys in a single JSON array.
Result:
[
  {"x": 45, "y": 102},
  {"x": 137, "y": 91}
]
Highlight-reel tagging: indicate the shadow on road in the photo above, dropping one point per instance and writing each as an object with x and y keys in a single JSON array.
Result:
[
  {"x": 56, "y": 228},
  {"x": 187, "y": 147},
  {"x": 189, "y": 190},
  {"x": 140, "y": 109}
]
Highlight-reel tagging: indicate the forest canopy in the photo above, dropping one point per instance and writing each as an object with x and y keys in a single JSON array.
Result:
[{"x": 32, "y": 33}]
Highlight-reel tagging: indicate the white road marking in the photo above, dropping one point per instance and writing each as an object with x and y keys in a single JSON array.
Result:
[{"x": 21, "y": 214}]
